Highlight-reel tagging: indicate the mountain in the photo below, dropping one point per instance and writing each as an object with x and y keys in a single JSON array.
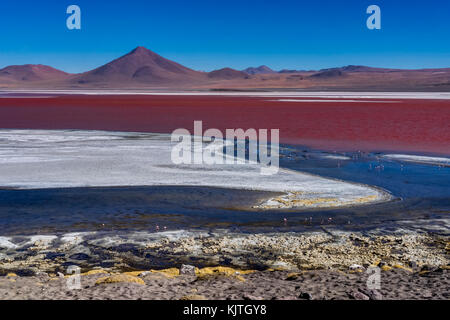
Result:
[
  {"x": 31, "y": 72},
  {"x": 144, "y": 69},
  {"x": 346, "y": 70},
  {"x": 227, "y": 74},
  {"x": 331, "y": 73},
  {"x": 140, "y": 66},
  {"x": 352, "y": 68},
  {"x": 259, "y": 70},
  {"x": 289, "y": 71}
]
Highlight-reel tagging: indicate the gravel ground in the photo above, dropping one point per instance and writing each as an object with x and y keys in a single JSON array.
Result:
[{"x": 259, "y": 285}]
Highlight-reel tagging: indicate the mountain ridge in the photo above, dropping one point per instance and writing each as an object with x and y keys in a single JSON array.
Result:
[
  {"x": 143, "y": 68},
  {"x": 259, "y": 70}
]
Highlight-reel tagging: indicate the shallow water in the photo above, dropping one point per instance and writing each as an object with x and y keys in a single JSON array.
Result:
[{"x": 421, "y": 202}]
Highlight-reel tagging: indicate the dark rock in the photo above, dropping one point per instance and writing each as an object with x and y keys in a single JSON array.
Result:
[
  {"x": 107, "y": 264},
  {"x": 54, "y": 255},
  {"x": 25, "y": 272},
  {"x": 127, "y": 247},
  {"x": 426, "y": 267},
  {"x": 79, "y": 256},
  {"x": 413, "y": 265},
  {"x": 430, "y": 272},
  {"x": 306, "y": 296}
]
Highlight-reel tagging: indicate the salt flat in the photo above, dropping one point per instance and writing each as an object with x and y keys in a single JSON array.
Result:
[
  {"x": 419, "y": 159},
  {"x": 33, "y": 159}
]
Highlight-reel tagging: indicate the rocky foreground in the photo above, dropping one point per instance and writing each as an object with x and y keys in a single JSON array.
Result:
[
  {"x": 227, "y": 283},
  {"x": 320, "y": 265},
  {"x": 321, "y": 250}
]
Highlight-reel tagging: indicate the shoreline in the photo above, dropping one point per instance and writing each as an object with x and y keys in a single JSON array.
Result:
[
  {"x": 338, "y": 267},
  {"x": 67, "y": 159},
  {"x": 327, "y": 249},
  {"x": 268, "y": 93}
]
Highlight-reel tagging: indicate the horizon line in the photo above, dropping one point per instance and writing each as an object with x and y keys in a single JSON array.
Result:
[{"x": 293, "y": 69}]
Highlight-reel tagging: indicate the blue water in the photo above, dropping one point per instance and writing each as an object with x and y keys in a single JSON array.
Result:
[{"x": 421, "y": 192}]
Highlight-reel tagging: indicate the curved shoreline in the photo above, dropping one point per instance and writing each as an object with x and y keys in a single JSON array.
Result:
[{"x": 70, "y": 158}]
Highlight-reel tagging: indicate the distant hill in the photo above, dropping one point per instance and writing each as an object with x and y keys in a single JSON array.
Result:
[
  {"x": 331, "y": 73},
  {"x": 227, "y": 74},
  {"x": 352, "y": 68},
  {"x": 289, "y": 71},
  {"x": 343, "y": 71},
  {"x": 259, "y": 70},
  {"x": 31, "y": 72}
]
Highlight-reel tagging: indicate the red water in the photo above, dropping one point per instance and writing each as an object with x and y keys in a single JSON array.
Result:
[{"x": 406, "y": 125}]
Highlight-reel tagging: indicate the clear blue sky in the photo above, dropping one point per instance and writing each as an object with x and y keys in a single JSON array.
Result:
[{"x": 212, "y": 34}]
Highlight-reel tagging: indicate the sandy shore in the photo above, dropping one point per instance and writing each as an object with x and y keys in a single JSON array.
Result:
[
  {"x": 267, "y": 285},
  {"x": 328, "y": 265}
]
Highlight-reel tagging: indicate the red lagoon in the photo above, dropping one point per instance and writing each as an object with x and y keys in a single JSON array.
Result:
[{"x": 369, "y": 125}]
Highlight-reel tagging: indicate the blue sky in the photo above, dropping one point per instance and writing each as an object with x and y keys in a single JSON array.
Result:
[{"x": 206, "y": 35}]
